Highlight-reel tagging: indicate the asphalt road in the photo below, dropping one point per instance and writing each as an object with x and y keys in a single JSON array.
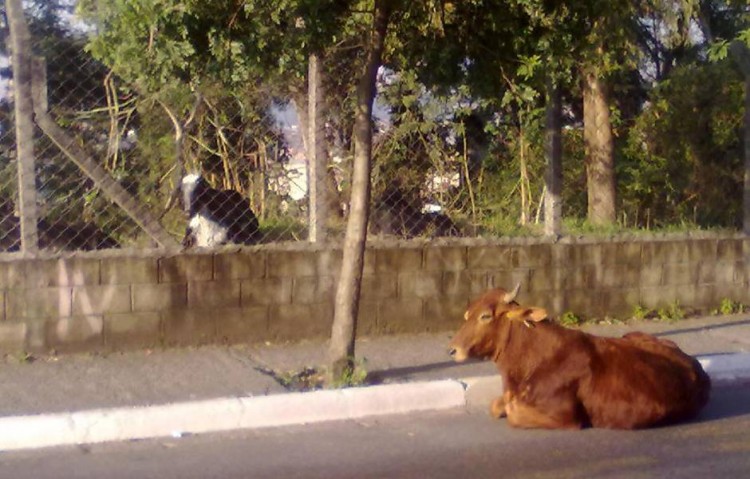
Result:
[{"x": 449, "y": 444}]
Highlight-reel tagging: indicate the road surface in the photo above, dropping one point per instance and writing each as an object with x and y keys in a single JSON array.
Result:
[{"x": 449, "y": 444}]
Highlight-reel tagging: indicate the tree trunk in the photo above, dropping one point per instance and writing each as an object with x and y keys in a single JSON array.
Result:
[
  {"x": 20, "y": 40},
  {"x": 553, "y": 134},
  {"x": 341, "y": 351},
  {"x": 600, "y": 163}
]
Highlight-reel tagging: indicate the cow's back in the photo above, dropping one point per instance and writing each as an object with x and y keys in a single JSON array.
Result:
[{"x": 640, "y": 381}]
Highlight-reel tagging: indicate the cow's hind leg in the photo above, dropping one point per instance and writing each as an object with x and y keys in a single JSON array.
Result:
[{"x": 523, "y": 415}]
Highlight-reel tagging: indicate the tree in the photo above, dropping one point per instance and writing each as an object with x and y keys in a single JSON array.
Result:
[{"x": 346, "y": 306}]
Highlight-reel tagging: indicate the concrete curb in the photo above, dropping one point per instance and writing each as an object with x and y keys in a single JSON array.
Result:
[
  {"x": 120, "y": 424},
  {"x": 224, "y": 414}
]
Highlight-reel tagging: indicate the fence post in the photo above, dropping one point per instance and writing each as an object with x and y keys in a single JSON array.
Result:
[
  {"x": 553, "y": 139},
  {"x": 20, "y": 40},
  {"x": 316, "y": 154}
]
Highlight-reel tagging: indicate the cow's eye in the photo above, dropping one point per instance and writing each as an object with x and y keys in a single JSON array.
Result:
[{"x": 485, "y": 317}]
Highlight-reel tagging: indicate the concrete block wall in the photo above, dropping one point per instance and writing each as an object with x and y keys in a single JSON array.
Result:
[{"x": 127, "y": 300}]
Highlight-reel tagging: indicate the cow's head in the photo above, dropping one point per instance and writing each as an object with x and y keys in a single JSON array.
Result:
[{"x": 480, "y": 334}]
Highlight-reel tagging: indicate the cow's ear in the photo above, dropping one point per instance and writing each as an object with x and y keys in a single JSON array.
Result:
[{"x": 527, "y": 314}]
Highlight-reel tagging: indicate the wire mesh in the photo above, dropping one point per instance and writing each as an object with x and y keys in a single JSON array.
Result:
[{"x": 464, "y": 160}]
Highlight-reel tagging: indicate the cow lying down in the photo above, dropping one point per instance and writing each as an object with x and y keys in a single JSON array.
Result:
[{"x": 559, "y": 378}]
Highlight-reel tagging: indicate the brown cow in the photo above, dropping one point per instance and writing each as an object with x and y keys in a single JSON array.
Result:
[{"x": 561, "y": 378}]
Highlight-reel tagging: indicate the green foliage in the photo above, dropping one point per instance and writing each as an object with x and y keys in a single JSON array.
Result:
[
  {"x": 569, "y": 318},
  {"x": 352, "y": 377},
  {"x": 683, "y": 155},
  {"x": 671, "y": 313},
  {"x": 640, "y": 312},
  {"x": 668, "y": 313},
  {"x": 729, "y": 306}
]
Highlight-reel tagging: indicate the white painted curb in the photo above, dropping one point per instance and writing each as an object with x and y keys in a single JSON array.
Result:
[
  {"x": 120, "y": 424},
  {"x": 724, "y": 368},
  {"x": 223, "y": 414}
]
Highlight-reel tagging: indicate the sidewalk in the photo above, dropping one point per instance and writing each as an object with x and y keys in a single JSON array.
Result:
[{"x": 87, "y": 398}]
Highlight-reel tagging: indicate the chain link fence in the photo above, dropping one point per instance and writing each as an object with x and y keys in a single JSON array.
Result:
[
  {"x": 248, "y": 151},
  {"x": 115, "y": 167}
]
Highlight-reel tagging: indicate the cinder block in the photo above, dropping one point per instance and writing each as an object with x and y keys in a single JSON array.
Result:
[
  {"x": 395, "y": 260},
  {"x": 12, "y": 275},
  {"x": 621, "y": 302},
  {"x": 680, "y": 274},
  {"x": 463, "y": 283},
  {"x": 159, "y": 297},
  {"x": 545, "y": 278},
  {"x": 581, "y": 302},
  {"x": 742, "y": 272},
  {"x": 705, "y": 297},
  {"x": 706, "y": 272},
  {"x": 220, "y": 294},
  {"x": 580, "y": 254},
  {"x": 625, "y": 253},
  {"x": 651, "y": 275},
  {"x": 445, "y": 258},
  {"x": 313, "y": 289},
  {"x": 265, "y": 292},
  {"x": 295, "y": 322},
  {"x": 532, "y": 256},
  {"x": 39, "y": 303},
  {"x": 417, "y": 285},
  {"x": 484, "y": 258},
  {"x": 729, "y": 250},
  {"x": 509, "y": 279},
  {"x": 620, "y": 275},
  {"x": 239, "y": 265},
  {"x": 44, "y": 273},
  {"x": 288, "y": 264},
  {"x": 184, "y": 268},
  {"x": 378, "y": 287},
  {"x": 367, "y": 318},
  {"x": 12, "y": 336},
  {"x": 88, "y": 300},
  {"x": 725, "y": 273},
  {"x": 401, "y": 316},
  {"x": 189, "y": 327},
  {"x": 444, "y": 314},
  {"x": 36, "y": 335},
  {"x": 129, "y": 270},
  {"x": 575, "y": 277},
  {"x": 75, "y": 334},
  {"x": 242, "y": 325},
  {"x": 658, "y": 296},
  {"x": 702, "y": 250},
  {"x": 132, "y": 330},
  {"x": 665, "y": 252}
]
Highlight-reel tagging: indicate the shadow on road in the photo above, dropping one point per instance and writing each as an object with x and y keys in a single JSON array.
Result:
[
  {"x": 726, "y": 402},
  {"x": 676, "y": 332},
  {"x": 408, "y": 372}
]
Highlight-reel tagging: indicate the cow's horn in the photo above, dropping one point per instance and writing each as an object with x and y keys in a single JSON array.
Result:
[{"x": 511, "y": 296}]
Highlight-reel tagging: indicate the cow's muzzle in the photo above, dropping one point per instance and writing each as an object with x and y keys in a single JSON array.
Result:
[{"x": 458, "y": 354}]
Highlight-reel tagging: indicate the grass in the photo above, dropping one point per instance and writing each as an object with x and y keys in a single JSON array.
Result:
[
  {"x": 728, "y": 306},
  {"x": 569, "y": 318},
  {"x": 314, "y": 378}
]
